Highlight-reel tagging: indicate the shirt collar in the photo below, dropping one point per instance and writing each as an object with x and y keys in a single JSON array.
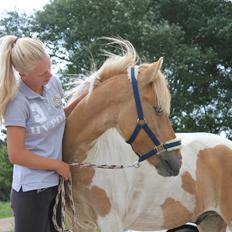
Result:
[{"x": 29, "y": 93}]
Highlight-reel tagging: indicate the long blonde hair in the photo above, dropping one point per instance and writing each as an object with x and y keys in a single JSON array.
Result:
[{"x": 16, "y": 55}]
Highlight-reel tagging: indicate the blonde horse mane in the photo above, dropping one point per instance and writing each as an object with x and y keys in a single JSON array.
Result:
[
  {"x": 118, "y": 64},
  {"x": 162, "y": 93}
]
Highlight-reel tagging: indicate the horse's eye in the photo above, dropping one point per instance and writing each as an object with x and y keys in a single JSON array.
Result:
[{"x": 158, "y": 109}]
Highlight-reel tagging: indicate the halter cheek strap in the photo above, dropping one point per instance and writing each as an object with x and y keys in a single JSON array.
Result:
[{"x": 141, "y": 124}]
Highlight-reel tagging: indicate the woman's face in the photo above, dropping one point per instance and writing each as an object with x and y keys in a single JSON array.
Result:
[{"x": 40, "y": 75}]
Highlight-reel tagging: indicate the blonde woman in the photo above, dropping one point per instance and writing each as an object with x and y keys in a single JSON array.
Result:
[{"x": 32, "y": 111}]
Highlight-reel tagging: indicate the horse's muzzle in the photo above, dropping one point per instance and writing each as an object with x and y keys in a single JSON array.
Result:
[{"x": 170, "y": 163}]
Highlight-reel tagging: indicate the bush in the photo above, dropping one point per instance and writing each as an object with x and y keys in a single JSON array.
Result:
[
  {"x": 5, "y": 174},
  {"x": 5, "y": 210}
]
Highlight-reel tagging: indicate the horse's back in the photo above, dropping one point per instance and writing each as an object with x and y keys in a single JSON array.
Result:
[{"x": 203, "y": 139}]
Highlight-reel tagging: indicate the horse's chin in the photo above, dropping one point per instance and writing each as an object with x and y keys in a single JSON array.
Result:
[{"x": 167, "y": 172}]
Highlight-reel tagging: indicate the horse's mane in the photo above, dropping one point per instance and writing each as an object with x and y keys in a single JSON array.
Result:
[
  {"x": 118, "y": 64},
  {"x": 113, "y": 65}
]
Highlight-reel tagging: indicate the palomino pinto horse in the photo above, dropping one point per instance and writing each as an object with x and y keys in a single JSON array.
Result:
[{"x": 155, "y": 195}]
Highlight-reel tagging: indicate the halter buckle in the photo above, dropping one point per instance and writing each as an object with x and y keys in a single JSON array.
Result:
[
  {"x": 159, "y": 148},
  {"x": 141, "y": 121}
]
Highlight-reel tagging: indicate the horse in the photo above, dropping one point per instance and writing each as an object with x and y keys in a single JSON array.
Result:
[{"x": 158, "y": 186}]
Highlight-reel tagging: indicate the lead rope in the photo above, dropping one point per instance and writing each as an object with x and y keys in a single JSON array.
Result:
[
  {"x": 136, "y": 164},
  {"x": 61, "y": 197}
]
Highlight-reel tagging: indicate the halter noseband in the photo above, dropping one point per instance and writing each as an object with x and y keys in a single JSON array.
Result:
[{"x": 141, "y": 124}]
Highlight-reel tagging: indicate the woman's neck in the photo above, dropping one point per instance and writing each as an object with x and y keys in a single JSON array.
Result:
[{"x": 36, "y": 89}]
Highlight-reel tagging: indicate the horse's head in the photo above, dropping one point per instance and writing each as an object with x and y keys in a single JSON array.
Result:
[
  {"x": 143, "y": 119},
  {"x": 136, "y": 101}
]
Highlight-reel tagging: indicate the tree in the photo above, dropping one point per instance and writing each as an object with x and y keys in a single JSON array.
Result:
[
  {"x": 5, "y": 173},
  {"x": 78, "y": 25},
  {"x": 193, "y": 36},
  {"x": 15, "y": 23},
  {"x": 204, "y": 80}
]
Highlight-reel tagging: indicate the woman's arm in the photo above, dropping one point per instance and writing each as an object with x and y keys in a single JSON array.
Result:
[{"x": 18, "y": 154}]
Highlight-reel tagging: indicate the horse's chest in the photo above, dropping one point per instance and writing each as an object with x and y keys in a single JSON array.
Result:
[{"x": 144, "y": 196}]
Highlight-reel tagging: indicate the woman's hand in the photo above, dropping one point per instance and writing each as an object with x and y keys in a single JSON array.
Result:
[
  {"x": 63, "y": 169},
  {"x": 19, "y": 154}
]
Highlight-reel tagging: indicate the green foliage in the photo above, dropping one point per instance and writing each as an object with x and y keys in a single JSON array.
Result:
[
  {"x": 5, "y": 174},
  {"x": 202, "y": 70},
  {"x": 83, "y": 22},
  {"x": 15, "y": 23},
  {"x": 193, "y": 36},
  {"x": 5, "y": 210}
]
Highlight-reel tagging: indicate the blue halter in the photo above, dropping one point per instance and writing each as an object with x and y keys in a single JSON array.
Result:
[{"x": 141, "y": 124}]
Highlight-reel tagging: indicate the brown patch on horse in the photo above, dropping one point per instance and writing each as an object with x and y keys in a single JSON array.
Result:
[
  {"x": 90, "y": 202},
  {"x": 97, "y": 203},
  {"x": 175, "y": 213},
  {"x": 188, "y": 183},
  {"x": 82, "y": 176},
  {"x": 214, "y": 179},
  {"x": 99, "y": 200}
]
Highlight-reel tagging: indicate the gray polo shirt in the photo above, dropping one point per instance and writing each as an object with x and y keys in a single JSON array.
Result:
[{"x": 43, "y": 119}]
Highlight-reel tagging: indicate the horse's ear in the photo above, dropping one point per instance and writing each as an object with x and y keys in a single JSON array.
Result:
[{"x": 151, "y": 72}]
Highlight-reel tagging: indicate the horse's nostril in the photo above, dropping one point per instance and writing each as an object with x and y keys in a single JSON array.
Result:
[{"x": 168, "y": 164}]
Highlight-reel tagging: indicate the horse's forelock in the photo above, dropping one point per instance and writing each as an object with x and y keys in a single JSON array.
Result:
[{"x": 162, "y": 92}]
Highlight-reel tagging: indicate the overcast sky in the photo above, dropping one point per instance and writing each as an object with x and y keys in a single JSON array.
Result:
[{"x": 22, "y": 5}]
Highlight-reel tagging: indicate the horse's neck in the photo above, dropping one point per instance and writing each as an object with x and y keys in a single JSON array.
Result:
[{"x": 89, "y": 120}]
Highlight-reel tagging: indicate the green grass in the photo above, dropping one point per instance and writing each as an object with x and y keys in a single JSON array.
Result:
[{"x": 5, "y": 210}]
